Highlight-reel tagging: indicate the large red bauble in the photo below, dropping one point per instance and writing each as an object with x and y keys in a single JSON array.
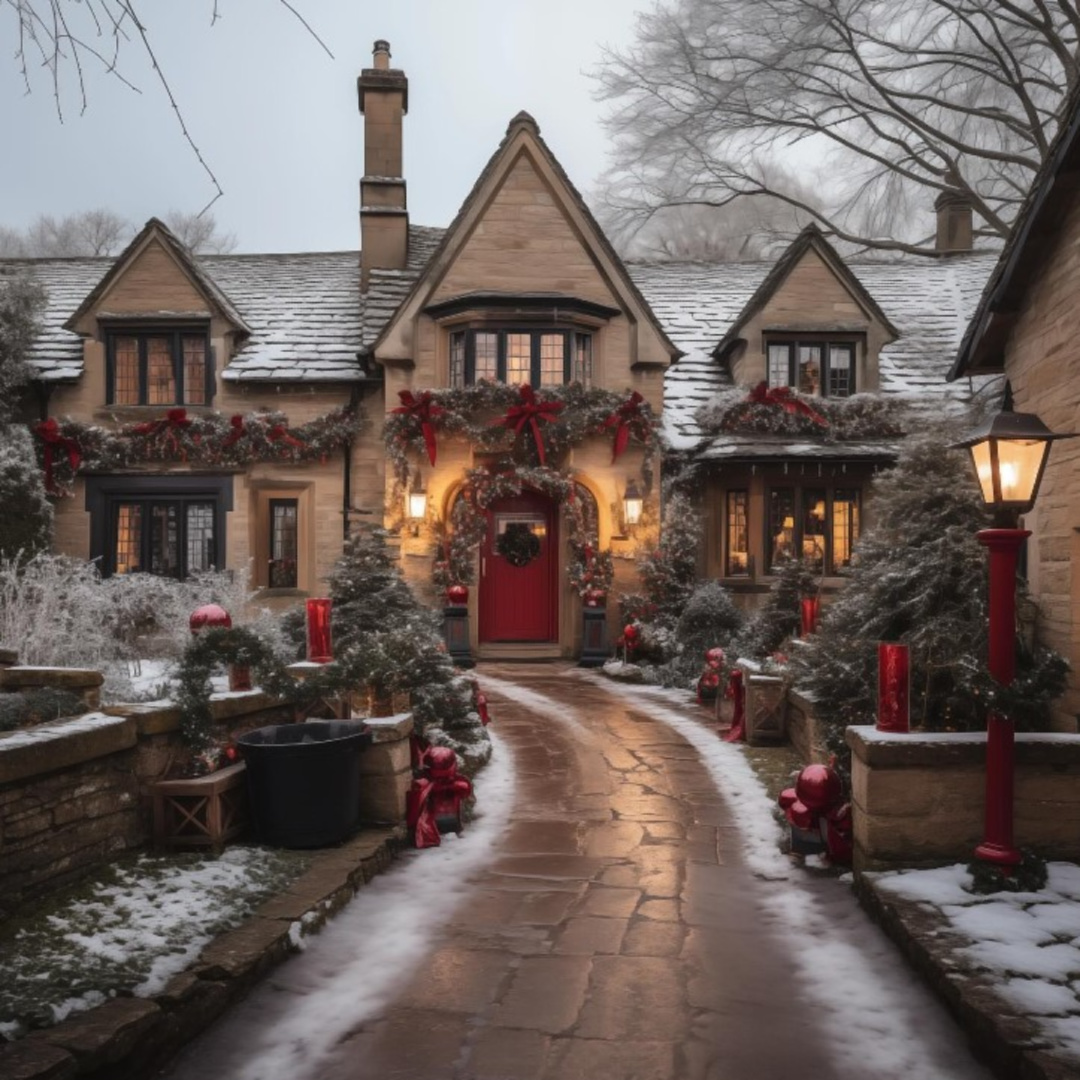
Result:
[
  {"x": 630, "y": 633},
  {"x": 819, "y": 787},
  {"x": 457, "y": 595},
  {"x": 714, "y": 657},
  {"x": 209, "y": 615}
]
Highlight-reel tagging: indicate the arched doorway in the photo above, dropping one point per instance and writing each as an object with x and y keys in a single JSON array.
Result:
[{"x": 519, "y": 570}]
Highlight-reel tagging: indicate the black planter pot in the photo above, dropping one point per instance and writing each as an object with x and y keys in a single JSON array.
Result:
[{"x": 304, "y": 781}]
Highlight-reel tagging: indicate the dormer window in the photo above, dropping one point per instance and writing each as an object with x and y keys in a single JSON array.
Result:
[
  {"x": 513, "y": 356},
  {"x": 817, "y": 368},
  {"x": 158, "y": 367}
]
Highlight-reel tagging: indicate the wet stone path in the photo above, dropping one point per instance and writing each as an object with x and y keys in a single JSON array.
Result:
[{"x": 615, "y": 934}]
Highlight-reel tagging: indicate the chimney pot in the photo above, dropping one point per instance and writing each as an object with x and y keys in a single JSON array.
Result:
[
  {"x": 954, "y": 227},
  {"x": 381, "y": 53}
]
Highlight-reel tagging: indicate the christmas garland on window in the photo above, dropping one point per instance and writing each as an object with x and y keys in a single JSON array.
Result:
[
  {"x": 531, "y": 425},
  {"x": 779, "y": 410},
  {"x": 66, "y": 447},
  {"x": 590, "y": 569}
]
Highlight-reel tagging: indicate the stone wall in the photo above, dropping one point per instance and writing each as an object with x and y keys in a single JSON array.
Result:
[
  {"x": 75, "y": 794},
  {"x": 919, "y": 800}
]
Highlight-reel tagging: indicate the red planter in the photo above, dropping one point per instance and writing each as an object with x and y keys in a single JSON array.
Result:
[{"x": 319, "y": 647}]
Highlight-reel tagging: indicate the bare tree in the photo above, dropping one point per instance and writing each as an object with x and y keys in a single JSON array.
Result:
[
  {"x": 199, "y": 233},
  {"x": 78, "y": 36},
  {"x": 884, "y": 104}
]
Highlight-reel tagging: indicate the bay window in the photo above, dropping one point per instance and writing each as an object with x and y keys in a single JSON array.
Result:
[
  {"x": 816, "y": 524},
  {"x": 538, "y": 357}
]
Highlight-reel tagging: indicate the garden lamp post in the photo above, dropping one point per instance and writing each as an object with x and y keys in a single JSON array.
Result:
[{"x": 1009, "y": 453}]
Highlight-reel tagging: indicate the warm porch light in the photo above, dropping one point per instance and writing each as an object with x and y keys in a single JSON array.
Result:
[
  {"x": 416, "y": 500},
  {"x": 633, "y": 503},
  {"x": 1009, "y": 453}
]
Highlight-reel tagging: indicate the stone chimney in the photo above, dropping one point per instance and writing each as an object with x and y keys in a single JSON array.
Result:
[
  {"x": 953, "y": 223},
  {"x": 384, "y": 221}
]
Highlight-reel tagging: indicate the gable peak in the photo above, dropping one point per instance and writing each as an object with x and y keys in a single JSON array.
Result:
[{"x": 523, "y": 119}]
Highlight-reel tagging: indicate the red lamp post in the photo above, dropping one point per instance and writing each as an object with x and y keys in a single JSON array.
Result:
[{"x": 1009, "y": 453}]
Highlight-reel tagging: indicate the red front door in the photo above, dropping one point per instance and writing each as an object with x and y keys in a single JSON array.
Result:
[{"x": 519, "y": 566}]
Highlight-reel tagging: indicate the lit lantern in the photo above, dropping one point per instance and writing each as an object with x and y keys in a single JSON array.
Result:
[
  {"x": 319, "y": 649},
  {"x": 416, "y": 502},
  {"x": 894, "y": 688},
  {"x": 633, "y": 504}
]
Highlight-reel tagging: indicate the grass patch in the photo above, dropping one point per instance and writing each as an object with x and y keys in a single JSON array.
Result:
[
  {"x": 127, "y": 930},
  {"x": 776, "y": 766}
]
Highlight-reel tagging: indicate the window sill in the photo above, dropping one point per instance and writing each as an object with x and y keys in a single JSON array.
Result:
[{"x": 127, "y": 413}]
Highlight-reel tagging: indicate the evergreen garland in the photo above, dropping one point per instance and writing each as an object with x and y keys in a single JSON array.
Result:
[{"x": 67, "y": 446}]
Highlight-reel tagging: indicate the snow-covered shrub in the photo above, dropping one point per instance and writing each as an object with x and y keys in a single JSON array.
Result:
[
  {"x": 710, "y": 619},
  {"x": 26, "y": 521},
  {"x": 779, "y": 616},
  {"x": 40, "y": 706}
]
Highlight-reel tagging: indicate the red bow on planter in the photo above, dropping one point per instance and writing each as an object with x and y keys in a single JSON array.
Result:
[
  {"x": 425, "y": 412},
  {"x": 49, "y": 432},
  {"x": 763, "y": 394},
  {"x": 627, "y": 414},
  {"x": 531, "y": 411}
]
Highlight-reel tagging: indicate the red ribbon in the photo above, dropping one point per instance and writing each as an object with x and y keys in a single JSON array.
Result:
[
  {"x": 280, "y": 433},
  {"x": 763, "y": 394},
  {"x": 173, "y": 422},
  {"x": 49, "y": 432},
  {"x": 237, "y": 433},
  {"x": 530, "y": 411},
  {"x": 628, "y": 413},
  {"x": 425, "y": 412}
]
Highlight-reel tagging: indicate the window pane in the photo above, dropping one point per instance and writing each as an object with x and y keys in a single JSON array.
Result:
[
  {"x": 160, "y": 377},
  {"x": 164, "y": 539},
  {"x": 738, "y": 534},
  {"x": 283, "y": 543},
  {"x": 457, "y": 359},
  {"x": 194, "y": 370},
  {"x": 126, "y": 371},
  {"x": 487, "y": 356},
  {"x": 779, "y": 367},
  {"x": 845, "y": 526},
  {"x": 552, "y": 359},
  {"x": 813, "y": 528},
  {"x": 781, "y": 526},
  {"x": 127, "y": 558},
  {"x": 582, "y": 372},
  {"x": 518, "y": 358},
  {"x": 810, "y": 369},
  {"x": 200, "y": 537},
  {"x": 841, "y": 370}
]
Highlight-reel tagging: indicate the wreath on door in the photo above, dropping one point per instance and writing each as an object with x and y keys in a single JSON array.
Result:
[{"x": 518, "y": 544}]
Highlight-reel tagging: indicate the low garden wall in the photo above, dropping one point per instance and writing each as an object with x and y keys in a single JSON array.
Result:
[
  {"x": 76, "y": 793},
  {"x": 919, "y": 799}
]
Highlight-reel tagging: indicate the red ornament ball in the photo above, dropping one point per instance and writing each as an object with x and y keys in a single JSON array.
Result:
[
  {"x": 595, "y": 598},
  {"x": 209, "y": 615},
  {"x": 457, "y": 595},
  {"x": 818, "y": 787},
  {"x": 714, "y": 657},
  {"x": 630, "y": 632}
]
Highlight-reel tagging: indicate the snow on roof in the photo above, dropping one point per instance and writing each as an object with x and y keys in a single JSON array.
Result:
[{"x": 929, "y": 301}]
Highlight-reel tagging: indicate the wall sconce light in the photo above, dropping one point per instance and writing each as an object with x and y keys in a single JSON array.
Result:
[
  {"x": 416, "y": 503},
  {"x": 633, "y": 504}
]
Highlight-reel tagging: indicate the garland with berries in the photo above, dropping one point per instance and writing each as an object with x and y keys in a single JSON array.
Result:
[
  {"x": 590, "y": 568},
  {"x": 781, "y": 411},
  {"x": 531, "y": 425},
  {"x": 66, "y": 447}
]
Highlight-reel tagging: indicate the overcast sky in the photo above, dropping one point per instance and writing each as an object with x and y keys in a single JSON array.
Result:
[{"x": 277, "y": 119}]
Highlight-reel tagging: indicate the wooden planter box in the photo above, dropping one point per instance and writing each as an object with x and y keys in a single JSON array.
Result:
[
  {"x": 766, "y": 710},
  {"x": 205, "y": 811}
]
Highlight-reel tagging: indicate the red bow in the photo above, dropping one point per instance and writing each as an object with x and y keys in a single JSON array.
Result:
[
  {"x": 763, "y": 394},
  {"x": 49, "y": 431},
  {"x": 280, "y": 433},
  {"x": 530, "y": 411},
  {"x": 173, "y": 422},
  {"x": 425, "y": 412},
  {"x": 237, "y": 433},
  {"x": 628, "y": 413}
]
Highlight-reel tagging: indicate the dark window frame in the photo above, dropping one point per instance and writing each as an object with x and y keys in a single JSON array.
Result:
[
  {"x": 105, "y": 493},
  {"x": 826, "y": 345},
  {"x": 801, "y": 498},
  {"x": 272, "y": 505},
  {"x": 142, "y": 335},
  {"x": 571, "y": 344}
]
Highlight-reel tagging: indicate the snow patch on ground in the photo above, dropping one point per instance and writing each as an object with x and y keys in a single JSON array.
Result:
[{"x": 349, "y": 973}]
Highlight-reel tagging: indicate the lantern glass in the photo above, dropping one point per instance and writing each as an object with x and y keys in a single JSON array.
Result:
[
  {"x": 633, "y": 504},
  {"x": 1009, "y": 470},
  {"x": 417, "y": 505}
]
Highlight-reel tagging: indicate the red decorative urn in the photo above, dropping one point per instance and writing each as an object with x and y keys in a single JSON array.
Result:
[
  {"x": 595, "y": 598},
  {"x": 209, "y": 615},
  {"x": 457, "y": 595}
]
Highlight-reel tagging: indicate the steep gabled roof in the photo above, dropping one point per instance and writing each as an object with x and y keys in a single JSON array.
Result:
[
  {"x": 1055, "y": 188},
  {"x": 810, "y": 238},
  {"x": 524, "y": 129},
  {"x": 155, "y": 229}
]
